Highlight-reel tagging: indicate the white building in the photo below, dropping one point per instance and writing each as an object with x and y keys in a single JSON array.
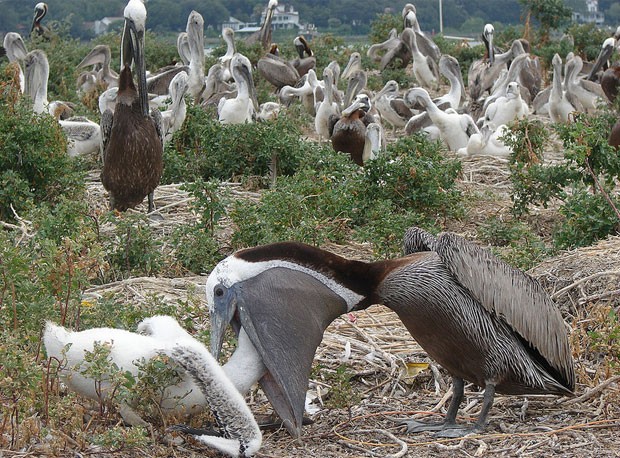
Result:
[
  {"x": 284, "y": 18},
  {"x": 592, "y": 14}
]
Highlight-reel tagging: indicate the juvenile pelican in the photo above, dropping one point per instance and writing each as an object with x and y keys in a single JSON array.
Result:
[
  {"x": 101, "y": 55},
  {"x": 243, "y": 107},
  {"x": 327, "y": 108},
  {"x": 482, "y": 320},
  {"x": 183, "y": 48},
  {"x": 424, "y": 67},
  {"x": 391, "y": 105},
  {"x": 450, "y": 68},
  {"x": 374, "y": 143},
  {"x": 506, "y": 109},
  {"x": 356, "y": 78},
  {"x": 228, "y": 35},
  {"x": 173, "y": 117},
  {"x": 378, "y": 51},
  {"x": 132, "y": 136},
  {"x": 304, "y": 90},
  {"x": 488, "y": 142},
  {"x": 425, "y": 44},
  {"x": 195, "y": 41},
  {"x": 454, "y": 128},
  {"x": 16, "y": 51},
  {"x": 263, "y": 35},
  {"x": 559, "y": 106},
  {"x": 277, "y": 70},
  {"x": 589, "y": 93}
]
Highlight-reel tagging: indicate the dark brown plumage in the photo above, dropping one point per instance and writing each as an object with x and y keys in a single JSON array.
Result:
[
  {"x": 348, "y": 133},
  {"x": 132, "y": 148},
  {"x": 610, "y": 81}
]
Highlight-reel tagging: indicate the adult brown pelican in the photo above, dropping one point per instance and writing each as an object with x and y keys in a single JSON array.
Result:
[
  {"x": 16, "y": 51},
  {"x": 132, "y": 136},
  {"x": 482, "y": 320},
  {"x": 276, "y": 70},
  {"x": 306, "y": 60},
  {"x": 263, "y": 35},
  {"x": 40, "y": 10},
  {"x": 101, "y": 55},
  {"x": 602, "y": 61},
  {"x": 348, "y": 133},
  {"x": 610, "y": 82}
]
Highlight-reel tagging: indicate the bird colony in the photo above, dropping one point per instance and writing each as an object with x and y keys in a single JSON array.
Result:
[{"x": 480, "y": 319}]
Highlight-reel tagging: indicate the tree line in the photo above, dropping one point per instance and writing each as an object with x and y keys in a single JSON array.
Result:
[{"x": 345, "y": 16}]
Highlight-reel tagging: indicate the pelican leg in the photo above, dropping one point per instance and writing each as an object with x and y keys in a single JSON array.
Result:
[
  {"x": 458, "y": 390},
  {"x": 487, "y": 402},
  {"x": 151, "y": 202}
]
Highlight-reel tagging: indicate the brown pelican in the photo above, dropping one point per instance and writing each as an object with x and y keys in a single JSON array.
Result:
[
  {"x": 217, "y": 86},
  {"x": 101, "y": 55},
  {"x": 276, "y": 70},
  {"x": 201, "y": 380},
  {"x": 614, "y": 136},
  {"x": 132, "y": 136},
  {"x": 454, "y": 128},
  {"x": 610, "y": 82},
  {"x": 602, "y": 61},
  {"x": 348, "y": 133},
  {"x": 506, "y": 108},
  {"x": 480, "y": 319},
  {"x": 391, "y": 105},
  {"x": 40, "y": 10},
  {"x": 244, "y": 106},
  {"x": 306, "y": 60},
  {"x": 304, "y": 89},
  {"x": 356, "y": 78},
  {"x": 425, "y": 44},
  {"x": 195, "y": 40},
  {"x": 16, "y": 51},
  {"x": 559, "y": 105},
  {"x": 263, "y": 36},
  {"x": 450, "y": 68},
  {"x": 424, "y": 67},
  {"x": 327, "y": 108}
]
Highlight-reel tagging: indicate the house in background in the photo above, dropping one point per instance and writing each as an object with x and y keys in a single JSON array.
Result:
[
  {"x": 592, "y": 14},
  {"x": 284, "y": 18}
]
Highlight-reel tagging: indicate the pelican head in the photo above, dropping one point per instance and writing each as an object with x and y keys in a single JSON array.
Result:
[
  {"x": 14, "y": 46},
  {"x": 487, "y": 37},
  {"x": 100, "y": 54},
  {"x": 512, "y": 90},
  {"x": 605, "y": 53},
  {"x": 361, "y": 102},
  {"x": 132, "y": 46},
  {"x": 36, "y": 73},
  {"x": 355, "y": 64},
  {"x": 40, "y": 10},
  {"x": 183, "y": 47}
]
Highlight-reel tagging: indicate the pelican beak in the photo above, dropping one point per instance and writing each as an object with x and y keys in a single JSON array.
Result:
[
  {"x": 250, "y": 81},
  {"x": 603, "y": 56},
  {"x": 356, "y": 105},
  {"x": 284, "y": 313},
  {"x": 132, "y": 49},
  {"x": 491, "y": 50},
  {"x": 349, "y": 68},
  {"x": 93, "y": 57},
  {"x": 221, "y": 314}
]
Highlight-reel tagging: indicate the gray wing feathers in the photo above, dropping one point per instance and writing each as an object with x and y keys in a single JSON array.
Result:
[
  {"x": 417, "y": 239},
  {"x": 512, "y": 295}
]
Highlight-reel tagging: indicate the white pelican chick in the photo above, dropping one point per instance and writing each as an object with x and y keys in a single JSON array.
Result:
[
  {"x": 506, "y": 108},
  {"x": 243, "y": 107},
  {"x": 559, "y": 106}
]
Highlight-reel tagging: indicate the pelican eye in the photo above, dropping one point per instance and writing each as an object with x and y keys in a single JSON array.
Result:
[{"x": 219, "y": 291}]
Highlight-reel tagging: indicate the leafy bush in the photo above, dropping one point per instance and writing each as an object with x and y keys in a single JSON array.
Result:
[
  {"x": 204, "y": 148},
  {"x": 583, "y": 183},
  {"x": 34, "y": 166}
]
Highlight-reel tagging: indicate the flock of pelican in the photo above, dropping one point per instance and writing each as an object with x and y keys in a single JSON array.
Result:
[
  {"x": 509, "y": 331},
  {"x": 468, "y": 120}
]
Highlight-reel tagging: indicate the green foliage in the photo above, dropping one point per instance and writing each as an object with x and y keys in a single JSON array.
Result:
[
  {"x": 330, "y": 197},
  {"x": 341, "y": 393},
  {"x": 515, "y": 242},
  {"x": 604, "y": 340},
  {"x": 551, "y": 14},
  {"x": 588, "y": 39},
  {"x": 133, "y": 249},
  {"x": 380, "y": 28},
  {"x": 34, "y": 166},
  {"x": 204, "y": 148},
  {"x": 584, "y": 183}
]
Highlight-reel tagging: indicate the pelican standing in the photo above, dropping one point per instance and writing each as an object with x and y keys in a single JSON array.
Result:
[
  {"x": 356, "y": 78},
  {"x": 391, "y": 105},
  {"x": 228, "y": 35},
  {"x": 482, "y": 320},
  {"x": 242, "y": 108},
  {"x": 425, "y": 44},
  {"x": 263, "y": 35},
  {"x": 132, "y": 136},
  {"x": 195, "y": 41},
  {"x": 424, "y": 67},
  {"x": 16, "y": 51},
  {"x": 306, "y": 60},
  {"x": 40, "y": 10},
  {"x": 348, "y": 134},
  {"x": 559, "y": 106},
  {"x": 327, "y": 108}
]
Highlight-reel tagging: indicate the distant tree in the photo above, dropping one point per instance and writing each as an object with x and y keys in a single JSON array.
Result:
[{"x": 551, "y": 14}]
